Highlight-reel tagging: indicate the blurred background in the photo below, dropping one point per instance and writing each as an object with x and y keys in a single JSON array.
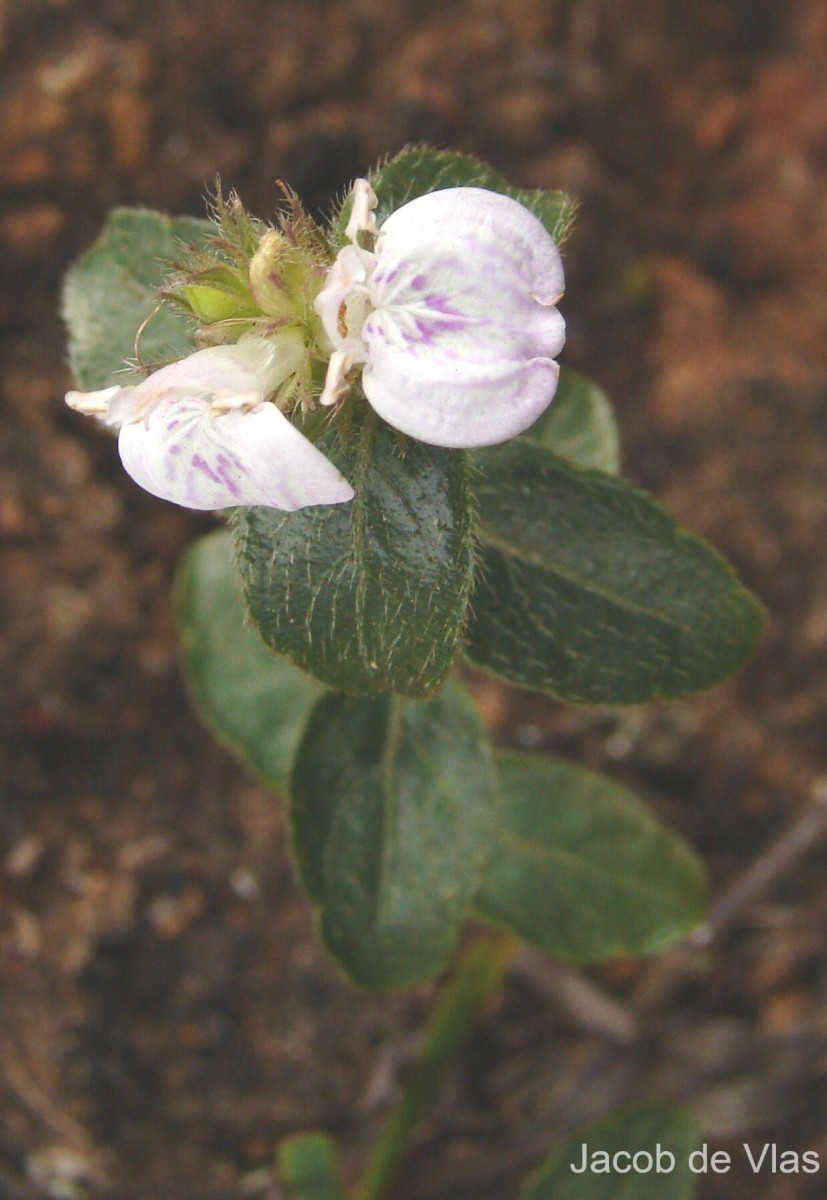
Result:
[{"x": 165, "y": 1013}]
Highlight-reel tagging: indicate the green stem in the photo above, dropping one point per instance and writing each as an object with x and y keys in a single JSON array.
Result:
[{"x": 479, "y": 973}]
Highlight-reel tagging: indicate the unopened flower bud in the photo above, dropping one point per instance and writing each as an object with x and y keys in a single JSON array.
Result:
[
  {"x": 211, "y": 304},
  {"x": 276, "y": 278}
]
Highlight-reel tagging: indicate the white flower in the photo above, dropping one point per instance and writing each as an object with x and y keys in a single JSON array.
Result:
[
  {"x": 202, "y": 433},
  {"x": 452, "y": 315}
]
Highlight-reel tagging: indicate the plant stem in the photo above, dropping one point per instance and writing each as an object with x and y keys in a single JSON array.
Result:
[{"x": 479, "y": 973}]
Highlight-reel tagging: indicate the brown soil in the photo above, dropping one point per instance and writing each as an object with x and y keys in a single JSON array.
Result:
[{"x": 165, "y": 1013}]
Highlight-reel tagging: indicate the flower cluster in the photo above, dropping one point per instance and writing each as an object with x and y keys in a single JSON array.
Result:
[{"x": 448, "y": 310}]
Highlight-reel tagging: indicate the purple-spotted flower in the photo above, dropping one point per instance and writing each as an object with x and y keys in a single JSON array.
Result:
[
  {"x": 448, "y": 308},
  {"x": 451, "y": 315},
  {"x": 203, "y": 433}
]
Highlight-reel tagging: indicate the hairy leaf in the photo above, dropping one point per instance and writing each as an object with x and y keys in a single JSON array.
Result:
[
  {"x": 583, "y": 869},
  {"x": 589, "y": 590},
  {"x": 421, "y": 170},
  {"x": 368, "y": 596},
  {"x": 579, "y": 425},
  {"x": 254, "y": 702},
  {"x": 113, "y": 289},
  {"x": 393, "y": 815}
]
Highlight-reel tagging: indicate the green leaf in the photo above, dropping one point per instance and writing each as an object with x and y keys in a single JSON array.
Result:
[
  {"x": 582, "y": 869},
  {"x": 113, "y": 288},
  {"x": 368, "y": 596},
  {"x": 587, "y": 589},
  {"x": 421, "y": 170},
  {"x": 393, "y": 815},
  {"x": 309, "y": 1166},
  {"x": 579, "y": 425},
  {"x": 642, "y": 1128},
  {"x": 253, "y": 702},
  {"x": 555, "y": 210}
]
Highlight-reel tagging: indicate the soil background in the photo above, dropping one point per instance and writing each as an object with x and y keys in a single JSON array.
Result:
[{"x": 166, "y": 1015}]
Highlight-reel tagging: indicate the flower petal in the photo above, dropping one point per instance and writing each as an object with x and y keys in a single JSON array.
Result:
[
  {"x": 93, "y": 404},
  {"x": 346, "y": 284},
  {"x": 251, "y": 369},
  {"x": 491, "y": 223},
  {"x": 461, "y": 342},
  {"x": 185, "y": 453},
  {"x": 462, "y": 412}
]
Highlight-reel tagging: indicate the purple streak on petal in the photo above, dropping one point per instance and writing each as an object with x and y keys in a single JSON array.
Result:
[
  {"x": 231, "y": 481},
  {"x": 441, "y": 304},
  {"x": 425, "y": 329},
  {"x": 429, "y": 331},
  {"x": 238, "y": 458},
  {"x": 201, "y": 464}
]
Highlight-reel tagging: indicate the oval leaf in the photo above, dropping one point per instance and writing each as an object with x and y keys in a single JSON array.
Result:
[
  {"x": 555, "y": 210},
  {"x": 582, "y": 869},
  {"x": 579, "y": 425},
  {"x": 368, "y": 596},
  {"x": 644, "y": 1128},
  {"x": 421, "y": 170},
  {"x": 113, "y": 289},
  {"x": 393, "y": 814},
  {"x": 253, "y": 702},
  {"x": 588, "y": 589}
]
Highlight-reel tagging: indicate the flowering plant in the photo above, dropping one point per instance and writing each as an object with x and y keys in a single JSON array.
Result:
[{"x": 373, "y": 403}]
